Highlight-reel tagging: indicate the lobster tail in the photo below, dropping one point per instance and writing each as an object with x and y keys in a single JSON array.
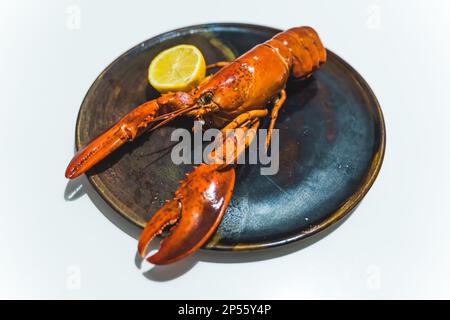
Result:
[{"x": 301, "y": 48}]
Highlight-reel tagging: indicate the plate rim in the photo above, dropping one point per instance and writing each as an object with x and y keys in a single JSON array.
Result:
[{"x": 334, "y": 217}]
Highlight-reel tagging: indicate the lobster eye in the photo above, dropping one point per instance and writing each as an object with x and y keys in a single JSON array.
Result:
[{"x": 206, "y": 97}]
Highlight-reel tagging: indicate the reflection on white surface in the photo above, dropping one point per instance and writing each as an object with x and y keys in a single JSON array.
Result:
[{"x": 395, "y": 245}]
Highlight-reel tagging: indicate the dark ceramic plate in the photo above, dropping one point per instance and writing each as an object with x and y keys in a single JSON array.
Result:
[{"x": 332, "y": 140}]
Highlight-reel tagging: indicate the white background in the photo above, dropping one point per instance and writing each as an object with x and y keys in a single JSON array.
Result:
[{"x": 56, "y": 243}]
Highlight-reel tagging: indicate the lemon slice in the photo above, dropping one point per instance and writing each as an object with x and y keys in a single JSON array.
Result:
[{"x": 179, "y": 68}]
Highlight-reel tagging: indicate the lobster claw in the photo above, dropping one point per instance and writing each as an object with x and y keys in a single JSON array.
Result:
[
  {"x": 196, "y": 210},
  {"x": 129, "y": 127}
]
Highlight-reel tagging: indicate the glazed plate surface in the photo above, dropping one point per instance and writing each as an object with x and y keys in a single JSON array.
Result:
[{"x": 332, "y": 140}]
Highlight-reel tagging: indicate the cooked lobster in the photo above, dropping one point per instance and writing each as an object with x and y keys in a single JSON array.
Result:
[{"x": 237, "y": 96}]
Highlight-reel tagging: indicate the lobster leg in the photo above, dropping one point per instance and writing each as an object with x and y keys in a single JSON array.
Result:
[
  {"x": 248, "y": 137},
  {"x": 236, "y": 141},
  {"x": 274, "y": 115},
  {"x": 244, "y": 117},
  {"x": 218, "y": 64},
  {"x": 126, "y": 129}
]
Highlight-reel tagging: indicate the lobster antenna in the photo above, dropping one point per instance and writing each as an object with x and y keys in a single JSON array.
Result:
[{"x": 172, "y": 115}]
